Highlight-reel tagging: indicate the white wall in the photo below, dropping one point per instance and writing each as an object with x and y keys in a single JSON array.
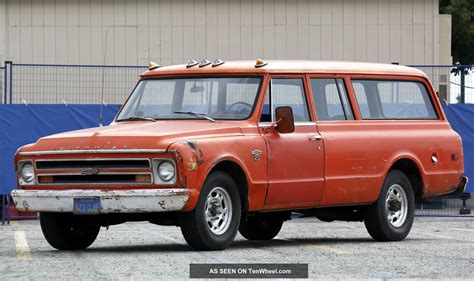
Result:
[{"x": 171, "y": 32}]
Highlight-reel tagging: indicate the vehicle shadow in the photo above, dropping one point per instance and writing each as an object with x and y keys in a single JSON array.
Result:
[{"x": 236, "y": 245}]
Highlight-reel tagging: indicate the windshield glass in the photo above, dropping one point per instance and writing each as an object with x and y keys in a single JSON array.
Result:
[{"x": 192, "y": 98}]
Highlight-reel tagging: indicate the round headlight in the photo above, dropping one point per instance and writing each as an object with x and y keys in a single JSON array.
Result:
[
  {"x": 27, "y": 172},
  {"x": 166, "y": 171}
]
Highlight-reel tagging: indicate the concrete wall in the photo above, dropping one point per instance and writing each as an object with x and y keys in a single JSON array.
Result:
[{"x": 171, "y": 32}]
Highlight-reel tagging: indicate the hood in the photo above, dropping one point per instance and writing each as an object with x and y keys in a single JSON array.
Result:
[{"x": 134, "y": 135}]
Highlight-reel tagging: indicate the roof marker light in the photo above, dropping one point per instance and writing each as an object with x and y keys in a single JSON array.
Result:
[
  {"x": 153, "y": 65},
  {"x": 217, "y": 62},
  {"x": 260, "y": 63},
  {"x": 204, "y": 63},
  {"x": 192, "y": 63}
]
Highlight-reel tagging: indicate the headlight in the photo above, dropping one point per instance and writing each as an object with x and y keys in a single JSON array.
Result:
[
  {"x": 166, "y": 171},
  {"x": 27, "y": 172}
]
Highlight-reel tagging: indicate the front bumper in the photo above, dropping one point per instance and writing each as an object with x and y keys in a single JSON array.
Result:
[{"x": 111, "y": 201}]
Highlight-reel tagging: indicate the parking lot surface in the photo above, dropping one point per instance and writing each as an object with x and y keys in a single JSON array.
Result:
[{"x": 436, "y": 248}]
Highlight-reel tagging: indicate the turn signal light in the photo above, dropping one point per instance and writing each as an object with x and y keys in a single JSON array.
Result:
[
  {"x": 45, "y": 179},
  {"x": 143, "y": 178}
]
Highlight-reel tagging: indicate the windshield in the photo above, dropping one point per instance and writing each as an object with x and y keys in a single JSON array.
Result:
[{"x": 192, "y": 98}]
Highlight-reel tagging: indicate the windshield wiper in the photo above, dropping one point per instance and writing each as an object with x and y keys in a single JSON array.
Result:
[
  {"x": 137, "y": 119},
  {"x": 200, "y": 115}
]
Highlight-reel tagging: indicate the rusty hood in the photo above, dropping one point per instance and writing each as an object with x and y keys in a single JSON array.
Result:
[{"x": 135, "y": 135}]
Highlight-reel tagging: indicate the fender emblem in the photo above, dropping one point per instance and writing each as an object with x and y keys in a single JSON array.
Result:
[
  {"x": 89, "y": 172},
  {"x": 257, "y": 155}
]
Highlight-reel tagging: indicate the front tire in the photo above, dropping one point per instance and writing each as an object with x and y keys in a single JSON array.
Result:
[
  {"x": 260, "y": 228},
  {"x": 214, "y": 222},
  {"x": 68, "y": 232},
  {"x": 391, "y": 217}
]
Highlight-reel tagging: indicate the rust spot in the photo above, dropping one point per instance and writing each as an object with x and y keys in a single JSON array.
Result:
[
  {"x": 162, "y": 204},
  {"x": 201, "y": 157},
  {"x": 192, "y": 144}
]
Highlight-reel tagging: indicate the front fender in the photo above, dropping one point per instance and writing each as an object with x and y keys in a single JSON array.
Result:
[{"x": 196, "y": 159}]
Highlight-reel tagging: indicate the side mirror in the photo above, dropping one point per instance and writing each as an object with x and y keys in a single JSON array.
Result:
[{"x": 285, "y": 123}]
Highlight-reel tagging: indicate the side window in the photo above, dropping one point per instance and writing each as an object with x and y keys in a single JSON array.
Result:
[
  {"x": 285, "y": 92},
  {"x": 361, "y": 97},
  {"x": 331, "y": 100},
  {"x": 394, "y": 100}
]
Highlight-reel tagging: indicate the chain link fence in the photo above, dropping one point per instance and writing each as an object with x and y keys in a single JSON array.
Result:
[
  {"x": 454, "y": 83},
  {"x": 72, "y": 84}
]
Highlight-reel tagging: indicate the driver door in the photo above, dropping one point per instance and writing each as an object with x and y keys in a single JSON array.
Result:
[{"x": 295, "y": 160}]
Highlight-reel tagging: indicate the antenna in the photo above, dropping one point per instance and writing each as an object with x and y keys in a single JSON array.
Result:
[{"x": 103, "y": 81}]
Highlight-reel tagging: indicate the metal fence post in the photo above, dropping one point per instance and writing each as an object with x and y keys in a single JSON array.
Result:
[
  {"x": 8, "y": 208},
  {"x": 462, "y": 98},
  {"x": 11, "y": 81},
  {"x": 5, "y": 75},
  {"x": 3, "y": 209},
  {"x": 8, "y": 81}
]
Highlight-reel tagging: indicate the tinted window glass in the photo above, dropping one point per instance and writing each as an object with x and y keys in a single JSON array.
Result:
[
  {"x": 379, "y": 99},
  {"x": 330, "y": 98},
  {"x": 286, "y": 92}
]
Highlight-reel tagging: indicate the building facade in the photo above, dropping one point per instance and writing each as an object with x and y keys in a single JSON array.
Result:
[{"x": 134, "y": 32}]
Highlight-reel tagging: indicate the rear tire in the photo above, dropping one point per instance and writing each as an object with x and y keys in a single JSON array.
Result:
[
  {"x": 260, "y": 228},
  {"x": 391, "y": 217},
  {"x": 214, "y": 222},
  {"x": 68, "y": 232}
]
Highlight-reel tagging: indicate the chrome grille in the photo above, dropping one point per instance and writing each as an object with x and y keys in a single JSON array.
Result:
[
  {"x": 94, "y": 171},
  {"x": 72, "y": 164}
]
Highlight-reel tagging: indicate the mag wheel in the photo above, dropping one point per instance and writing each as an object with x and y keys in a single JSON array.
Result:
[
  {"x": 68, "y": 232},
  {"x": 391, "y": 217},
  {"x": 213, "y": 224}
]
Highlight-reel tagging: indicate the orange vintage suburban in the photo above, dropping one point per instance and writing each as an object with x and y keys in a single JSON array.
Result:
[{"x": 220, "y": 147}]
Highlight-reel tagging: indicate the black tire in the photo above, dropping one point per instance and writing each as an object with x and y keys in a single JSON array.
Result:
[
  {"x": 68, "y": 232},
  {"x": 260, "y": 228},
  {"x": 376, "y": 216},
  {"x": 194, "y": 226}
]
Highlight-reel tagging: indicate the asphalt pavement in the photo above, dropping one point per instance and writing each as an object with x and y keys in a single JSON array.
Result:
[{"x": 436, "y": 248}]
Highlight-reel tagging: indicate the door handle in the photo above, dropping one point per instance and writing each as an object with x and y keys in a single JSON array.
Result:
[{"x": 316, "y": 137}]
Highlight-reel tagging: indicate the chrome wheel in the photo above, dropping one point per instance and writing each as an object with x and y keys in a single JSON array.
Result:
[
  {"x": 396, "y": 205},
  {"x": 218, "y": 210}
]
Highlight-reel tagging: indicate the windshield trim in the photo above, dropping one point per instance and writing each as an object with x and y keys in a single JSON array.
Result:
[{"x": 260, "y": 76}]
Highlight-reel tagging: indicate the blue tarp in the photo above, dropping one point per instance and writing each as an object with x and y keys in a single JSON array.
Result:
[
  {"x": 20, "y": 125},
  {"x": 461, "y": 118}
]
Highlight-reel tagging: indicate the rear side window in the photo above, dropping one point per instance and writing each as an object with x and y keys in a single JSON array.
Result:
[
  {"x": 384, "y": 99},
  {"x": 330, "y": 98}
]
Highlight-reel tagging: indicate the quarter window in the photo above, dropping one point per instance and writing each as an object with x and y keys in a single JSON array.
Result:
[
  {"x": 331, "y": 100},
  {"x": 384, "y": 99}
]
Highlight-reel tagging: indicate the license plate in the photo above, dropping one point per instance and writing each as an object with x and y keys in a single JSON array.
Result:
[{"x": 87, "y": 205}]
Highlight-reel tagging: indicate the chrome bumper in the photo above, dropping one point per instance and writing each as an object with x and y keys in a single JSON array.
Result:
[
  {"x": 462, "y": 185},
  {"x": 111, "y": 201}
]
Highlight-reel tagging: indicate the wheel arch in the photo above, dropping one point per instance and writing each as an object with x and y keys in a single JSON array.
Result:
[
  {"x": 236, "y": 171},
  {"x": 412, "y": 169}
]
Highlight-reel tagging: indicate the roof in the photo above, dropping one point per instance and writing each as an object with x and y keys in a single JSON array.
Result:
[{"x": 288, "y": 66}]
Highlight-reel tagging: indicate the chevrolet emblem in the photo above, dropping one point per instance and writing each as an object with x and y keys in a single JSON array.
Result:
[{"x": 89, "y": 171}]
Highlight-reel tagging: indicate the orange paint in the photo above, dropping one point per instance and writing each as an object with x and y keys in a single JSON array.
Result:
[{"x": 346, "y": 166}]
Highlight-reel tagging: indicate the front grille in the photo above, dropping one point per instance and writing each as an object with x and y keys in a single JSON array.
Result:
[
  {"x": 94, "y": 171},
  {"x": 67, "y": 164},
  {"x": 96, "y": 179}
]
